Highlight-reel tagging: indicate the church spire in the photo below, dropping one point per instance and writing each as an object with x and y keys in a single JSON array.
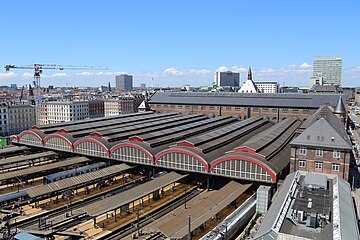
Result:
[{"x": 249, "y": 74}]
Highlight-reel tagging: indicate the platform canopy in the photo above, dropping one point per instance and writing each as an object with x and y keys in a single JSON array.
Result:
[
  {"x": 116, "y": 201},
  {"x": 14, "y": 149},
  {"x": 23, "y": 158},
  {"x": 42, "y": 168},
  {"x": 202, "y": 211},
  {"x": 77, "y": 181}
]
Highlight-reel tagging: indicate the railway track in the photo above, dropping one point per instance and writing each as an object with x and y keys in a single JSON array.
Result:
[
  {"x": 74, "y": 207},
  {"x": 148, "y": 218}
]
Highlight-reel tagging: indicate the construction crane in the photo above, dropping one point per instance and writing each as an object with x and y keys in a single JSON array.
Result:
[{"x": 38, "y": 69}]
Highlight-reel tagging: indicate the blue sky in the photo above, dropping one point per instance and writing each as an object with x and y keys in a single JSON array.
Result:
[{"x": 178, "y": 42}]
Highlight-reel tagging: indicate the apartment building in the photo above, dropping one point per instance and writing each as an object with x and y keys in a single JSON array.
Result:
[
  {"x": 96, "y": 108},
  {"x": 15, "y": 118},
  {"x": 66, "y": 111},
  {"x": 121, "y": 105}
]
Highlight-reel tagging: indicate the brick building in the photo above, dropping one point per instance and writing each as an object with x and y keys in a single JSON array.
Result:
[
  {"x": 96, "y": 108},
  {"x": 323, "y": 146},
  {"x": 276, "y": 107}
]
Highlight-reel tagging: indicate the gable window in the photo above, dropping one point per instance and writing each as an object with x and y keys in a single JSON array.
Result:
[
  {"x": 319, "y": 152},
  {"x": 302, "y": 151}
]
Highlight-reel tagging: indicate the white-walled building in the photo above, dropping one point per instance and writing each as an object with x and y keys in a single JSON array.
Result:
[
  {"x": 4, "y": 116},
  {"x": 122, "y": 105},
  {"x": 66, "y": 111},
  {"x": 15, "y": 118},
  {"x": 267, "y": 87},
  {"x": 329, "y": 68}
]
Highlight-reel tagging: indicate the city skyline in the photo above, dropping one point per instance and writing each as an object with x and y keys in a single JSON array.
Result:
[{"x": 178, "y": 43}]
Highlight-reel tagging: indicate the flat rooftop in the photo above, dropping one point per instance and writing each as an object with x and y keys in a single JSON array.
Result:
[{"x": 311, "y": 210}]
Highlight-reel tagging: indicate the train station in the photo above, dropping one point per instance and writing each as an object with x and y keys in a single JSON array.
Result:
[{"x": 129, "y": 176}]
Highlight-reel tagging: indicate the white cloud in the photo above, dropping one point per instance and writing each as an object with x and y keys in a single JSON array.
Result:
[
  {"x": 267, "y": 70},
  {"x": 291, "y": 66},
  {"x": 199, "y": 72},
  {"x": 84, "y": 74},
  {"x": 28, "y": 75},
  {"x": 173, "y": 71},
  {"x": 109, "y": 73},
  {"x": 241, "y": 69},
  {"x": 7, "y": 75},
  {"x": 355, "y": 69},
  {"x": 59, "y": 75},
  {"x": 222, "y": 69},
  {"x": 305, "y": 65},
  {"x": 235, "y": 68}
]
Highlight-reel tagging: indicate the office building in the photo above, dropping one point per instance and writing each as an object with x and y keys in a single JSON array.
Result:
[
  {"x": 310, "y": 206},
  {"x": 267, "y": 87},
  {"x": 227, "y": 78},
  {"x": 13, "y": 86},
  {"x": 124, "y": 82},
  {"x": 329, "y": 68}
]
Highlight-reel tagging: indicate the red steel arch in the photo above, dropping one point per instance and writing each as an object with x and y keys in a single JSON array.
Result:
[
  {"x": 14, "y": 137},
  {"x": 242, "y": 158},
  {"x": 31, "y": 133},
  {"x": 183, "y": 151},
  {"x": 127, "y": 144},
  {"x": 93, "y": 140},
  {"x": 55, "y": 135}
]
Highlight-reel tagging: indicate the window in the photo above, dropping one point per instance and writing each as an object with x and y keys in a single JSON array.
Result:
[
  {"x": 319, "y": 152},
  {"x": 335, "y": 167},
  {"x": 320, "y": 138},
  {"x": 302, "y": 151},
  {"x": 265, "y": 109},
  {"x": 302, "y": 163},
  {"x": 211, "y": 108},
  {"x": 336, "y": 154},
  {"x": 238, "y": 108},
  {"x": 274, "y": 110},
  {"x": 318, "y": 165},
  {"x": 228, "y": 108}
]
